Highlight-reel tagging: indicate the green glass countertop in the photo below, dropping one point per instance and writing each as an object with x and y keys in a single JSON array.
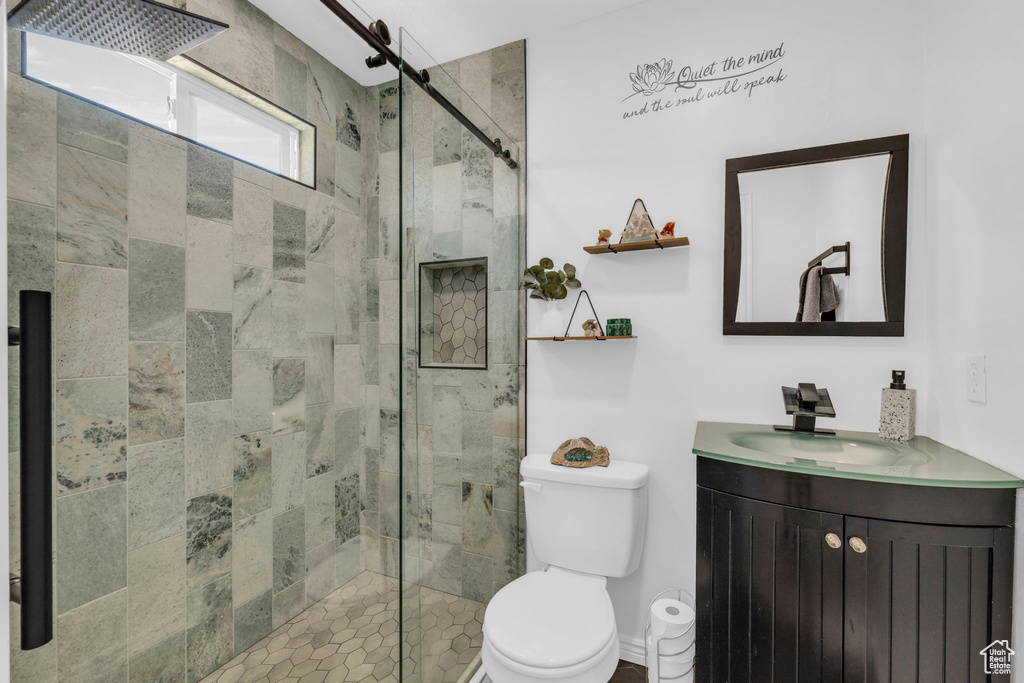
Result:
[{"x": 851, "y": 455}]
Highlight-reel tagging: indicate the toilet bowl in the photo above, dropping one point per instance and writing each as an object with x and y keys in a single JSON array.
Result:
[
  {"x": 554, "y": 625},
  {"x": 558, "y": 624}
]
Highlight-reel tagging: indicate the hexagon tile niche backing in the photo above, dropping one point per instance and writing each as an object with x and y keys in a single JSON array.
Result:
[{"x": 460, "y": 315}]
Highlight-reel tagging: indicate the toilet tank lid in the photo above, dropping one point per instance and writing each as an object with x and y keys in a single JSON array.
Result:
[{"x": 618, "y": 474}]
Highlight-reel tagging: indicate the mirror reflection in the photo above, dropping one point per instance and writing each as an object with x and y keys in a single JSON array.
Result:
[{"x": 801, "y": 226}]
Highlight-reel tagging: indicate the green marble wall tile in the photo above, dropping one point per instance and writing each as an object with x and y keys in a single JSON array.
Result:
[
  {"x": 288, "y": 603},
  {"x": 91, "y": 438},
  {"x": 319, "y": 369},
  {"x": 91, "y": 641},
  {"x": 92, "y": 209},
  {"x": 289, "y": 243},
  {"x": 156, "y": 189},
  {"x": 447, "y": 421},
  {"x": 289, "y": 548},
  {"x": 252, "y": 390},
  {"x": 346, "y": 310},
  {"x": 91, "y": 312},
  {"x": 156, "y": 391},
  {"x": 90, "y": 546},
  {"x": 320, "y": 513},
  {"x": 252, "y": 475},
  {"x": 319, "y": 298},
  {"x": 31, "y": 251},
  {"x": 156, "y": 592},
  {"x": 508, "y": 101},
  {"x": 507, "y": 396},
  {"x": 91, "y": 128},
  {"x": 208, "y": 538},
  {"x": 348, "y": 179},
  {"x": 253, "y": 620},
  {"x": 254, "y": 49},
  {"x": 210, "y": 637},
  {"x": 253, "y": 224},
  {"x": 348, "y": 376},
  {"x": 156, "y": 491},
  {"x": 347, "y": 561},
  {"x": 370, "y": 291},
  {"x": 208, "y": 337},
  {"x": 289, "y": 82},
  {"x": 346, "y": 509},
  {"x": 209, "y": 446},
  {"x": 477, "y": 437},
  {"x": 320, "y": 221},
  {"x": 477, "y": 518},
  {"x": 253, "y": 314},
  {"x": 253, "y": 557},
  {"x": 320, "y": 449},
  {"x": 506, "y": 473},
  {"x": 320, "y": 572},
  {"x": 289, "y": 395},
  {"x": 208, "y": 254},
  {"x": 476, "y": 577},
  {"x": 325, "y": 160},
  {"x": 348, "y": 449},
  {"x": 210, "y": 185},
  {"x": 390, "y": 504},
  {"x": 156, "y": 291},
  {"x": 320, "y": 103},
  {"x": 160, "y": 663},
  {"x": 348, "y": 258},
  {"x": 447, "y": 503},
  {"x": 505, "y": 546},
  {"x": 288, "y": 465},
  {"x": 289, "y": 316},
  {"x": 31, "y": 142}
]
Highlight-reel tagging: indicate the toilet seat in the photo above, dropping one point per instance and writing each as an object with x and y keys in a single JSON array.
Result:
[{"x": 555, "y": 624}]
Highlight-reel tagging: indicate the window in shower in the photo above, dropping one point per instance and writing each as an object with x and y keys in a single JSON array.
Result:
[
  {"x": 182, "y": 98},
  {"x": 453, "y": 314}
]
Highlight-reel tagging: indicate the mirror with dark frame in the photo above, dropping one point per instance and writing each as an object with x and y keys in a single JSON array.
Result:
[{"x": 816, "y": 240}]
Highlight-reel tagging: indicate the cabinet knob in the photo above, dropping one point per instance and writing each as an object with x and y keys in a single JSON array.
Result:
[
  {"x": 833, "y": 541},
  {"x": 858, "y": 545}
]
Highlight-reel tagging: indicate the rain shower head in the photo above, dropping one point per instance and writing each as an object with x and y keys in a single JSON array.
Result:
[{"x": 136, "y": 27}]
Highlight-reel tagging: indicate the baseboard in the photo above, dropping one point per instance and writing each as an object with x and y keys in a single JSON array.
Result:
[{"x": 632, "y": 651}]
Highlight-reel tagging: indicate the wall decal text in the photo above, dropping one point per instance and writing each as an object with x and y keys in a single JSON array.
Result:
[{"x": 692, "y": 84}]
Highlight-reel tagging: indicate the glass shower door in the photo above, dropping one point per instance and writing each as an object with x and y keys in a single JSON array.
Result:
[{"x": 461, "y": 253}]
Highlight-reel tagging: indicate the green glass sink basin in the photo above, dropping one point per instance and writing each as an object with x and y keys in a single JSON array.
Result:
[
  {"x": 854, "y": 455},
  {"x": 832, "y": 450}
]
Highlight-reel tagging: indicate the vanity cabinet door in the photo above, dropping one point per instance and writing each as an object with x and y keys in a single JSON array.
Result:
[
  {"x": 769, "y": 592},
  {"x": 923, "y": 600}
]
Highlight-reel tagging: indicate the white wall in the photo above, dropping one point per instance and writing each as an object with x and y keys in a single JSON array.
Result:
[{"x": 947, "y": 75}]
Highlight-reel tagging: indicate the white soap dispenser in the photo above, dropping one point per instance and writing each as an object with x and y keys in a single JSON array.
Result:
[{"x": 899, "y": 409}]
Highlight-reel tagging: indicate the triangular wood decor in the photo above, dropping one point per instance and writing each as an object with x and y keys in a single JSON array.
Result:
[{"x": 639, "y": 227}]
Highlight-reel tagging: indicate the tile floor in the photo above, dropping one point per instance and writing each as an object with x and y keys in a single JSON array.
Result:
[{"x": 352, "y": 635}]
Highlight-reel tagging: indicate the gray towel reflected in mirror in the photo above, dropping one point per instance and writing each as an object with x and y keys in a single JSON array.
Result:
[{"x": 819, "y": 296}]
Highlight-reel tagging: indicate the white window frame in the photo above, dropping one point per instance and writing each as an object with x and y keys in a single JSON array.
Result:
[{"x": 184, "y": 92}]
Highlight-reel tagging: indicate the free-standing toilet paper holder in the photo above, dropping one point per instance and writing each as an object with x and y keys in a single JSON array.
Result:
[{"x": 669, "y": 637}]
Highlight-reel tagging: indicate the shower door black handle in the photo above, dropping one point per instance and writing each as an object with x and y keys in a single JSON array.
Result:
[{"x": 35, "y": 585}]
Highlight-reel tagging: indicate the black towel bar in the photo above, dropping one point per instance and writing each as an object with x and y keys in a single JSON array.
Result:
[{"x": 844, "y": 270}]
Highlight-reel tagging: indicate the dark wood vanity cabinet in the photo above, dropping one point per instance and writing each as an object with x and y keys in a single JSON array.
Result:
[{"x": 926, "y": 585}]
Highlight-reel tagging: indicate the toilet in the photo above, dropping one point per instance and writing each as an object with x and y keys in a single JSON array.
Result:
[{"x": 585, "y": 524}]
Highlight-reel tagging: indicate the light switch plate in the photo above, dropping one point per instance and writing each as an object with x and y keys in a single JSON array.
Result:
[{"x": 977, "y": 388}]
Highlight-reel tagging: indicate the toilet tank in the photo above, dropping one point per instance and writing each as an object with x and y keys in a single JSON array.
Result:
[{"x": 589, "y": 520}]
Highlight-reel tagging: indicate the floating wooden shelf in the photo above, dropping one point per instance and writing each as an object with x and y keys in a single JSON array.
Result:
[
  {"x": 638, "y": 246},
  {"x": 601, "y": 338}
]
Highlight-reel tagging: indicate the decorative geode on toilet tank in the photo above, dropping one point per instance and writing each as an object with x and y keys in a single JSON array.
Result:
[{"x": 580, "y": 452}]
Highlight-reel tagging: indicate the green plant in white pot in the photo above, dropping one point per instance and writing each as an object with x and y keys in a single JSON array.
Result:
[{"x": 546, "y": 284}]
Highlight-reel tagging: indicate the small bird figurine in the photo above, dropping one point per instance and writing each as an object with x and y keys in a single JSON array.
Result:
[
  {"x": 669, "y": 230},
  {"x": 603, "y": 236},
  {"x": 590, "y": 328}
]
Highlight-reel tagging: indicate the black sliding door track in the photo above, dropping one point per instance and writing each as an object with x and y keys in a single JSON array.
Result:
[{"x": 420, "y": 78}]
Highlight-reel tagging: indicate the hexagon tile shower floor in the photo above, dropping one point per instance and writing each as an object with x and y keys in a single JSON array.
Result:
[{"x": 352, "y": 635}]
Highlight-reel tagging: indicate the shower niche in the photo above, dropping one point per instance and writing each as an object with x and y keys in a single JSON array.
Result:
[{"x": 453, "y": 314}]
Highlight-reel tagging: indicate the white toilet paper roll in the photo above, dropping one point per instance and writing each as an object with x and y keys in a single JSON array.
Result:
[
  {"x": 672, "y": 646},
  {"x": 671, "y": 668},
  {"x": 670, "y": 618}
]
